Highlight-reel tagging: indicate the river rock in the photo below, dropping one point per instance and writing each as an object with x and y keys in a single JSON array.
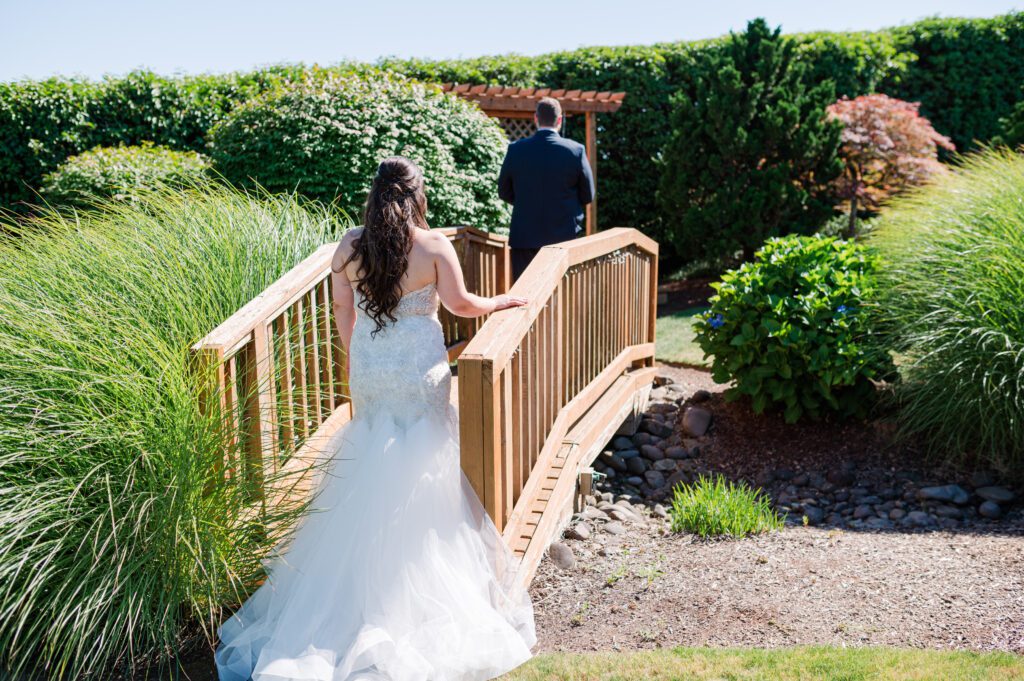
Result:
[
  {"x": 636, "y": 465},
  {"x": 656, "y": 428},
  {"x": 614, "y": 527},
  {"x": 651, "y": 452},
  {"x": 1000, "y": 495},
  {"x": 580, "y": 531},
  {"x": 948, "y": 493},
  {"x": 622, "y": 443},
  {"x": 665, "y": 465},
  {"x": 561, "y": 555},
  {"x": 655, "y": 479},
  {"x": 677, "y": 452},
  {"x": 863, "y": 511},
  {"x": 700, "y": 396},
  {"x": 990, "y": 509},
  {"x": 944, "y": 511},
  {"x": 696, "y": 421},
  {"x": 814, "y": 515},
  {"x": 919, "y": 518},
  {"x": 659, "y": 511}
]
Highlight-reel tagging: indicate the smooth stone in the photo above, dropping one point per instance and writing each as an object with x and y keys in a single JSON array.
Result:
[
  {"x": 627, "y": 453},
  {"x": 1000, "y": 495},
  {"x": 651, "y": 452},
  {"x": 655, "y": 479},
  {"x": 609, "y": 472},
  {"x": 641, "y": 439},
  {"x": 944, "y": 511},
  {"x": 696, "y": 421},
  {"x": 863, "y": 511},
  {"x": 622, "y": 443},
  {"x": 784, "y": 474},
  {"x": 665, "y": 465},
  {"x": 617, "y": 462},
  {"x": 656, "y": 428},
  {"x": 897, "y": 514},
  {"x": 614, "y": 527},
  {"x": 877, "y": 523},
  {"x": 800, "y": 480},
  {"x": 659, "y": 511},
  {"x": 561, "y": 555},
  {"x": 949, "y": 493},
  {"x": 814, "y": 515},
  {"x": 700, "y": 396},
  {"x": 636, "y": 465},
  {"x": 635, "y": 480},
  {"x": 919, "y": 518},
  {"x": 580, "y": 531},
  {"x": 623, "y": 515},
  {"x": 834, "y": 519},
  {"x": 677, "y": 452},
  {"x": 990, "y": 509},
  {"x": 663, "y": 408},
  {"x": 870, "y": 500}
]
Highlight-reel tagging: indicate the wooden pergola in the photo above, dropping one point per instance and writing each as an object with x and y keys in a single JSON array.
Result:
[{"x": 514, "y": 107}]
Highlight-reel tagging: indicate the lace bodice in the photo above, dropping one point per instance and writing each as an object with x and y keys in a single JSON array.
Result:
[{"x": 402, "y": 371}]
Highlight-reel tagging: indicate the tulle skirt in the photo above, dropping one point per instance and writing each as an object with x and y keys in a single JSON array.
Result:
[{"x": 397, "y": 573}]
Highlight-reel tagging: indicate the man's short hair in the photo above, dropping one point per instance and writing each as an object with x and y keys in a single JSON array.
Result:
[{"x": 548, "y": 112}]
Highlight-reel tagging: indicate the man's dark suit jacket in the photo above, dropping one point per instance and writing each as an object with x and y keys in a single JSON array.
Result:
[{"x": 547, "y": 179}]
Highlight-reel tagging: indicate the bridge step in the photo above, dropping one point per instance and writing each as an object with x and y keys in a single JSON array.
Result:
[{"x": 529, "y": 534}]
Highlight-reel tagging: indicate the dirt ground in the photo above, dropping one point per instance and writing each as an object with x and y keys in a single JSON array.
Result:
[{"x": 961, "y": 588}]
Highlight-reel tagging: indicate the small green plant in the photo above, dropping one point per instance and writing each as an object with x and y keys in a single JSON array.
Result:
[
  {"x": 120, "y": 173},
  {"x": 790, "y": 331},
  {"x": 713, "y": 507}
]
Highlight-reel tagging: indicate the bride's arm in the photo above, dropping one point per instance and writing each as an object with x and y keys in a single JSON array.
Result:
[
  {"x": 343, "y": 298},
  {"x": 451, "y": 287}
]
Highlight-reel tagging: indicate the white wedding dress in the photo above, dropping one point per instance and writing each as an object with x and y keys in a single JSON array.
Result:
[{"x": 398, "y": 572}]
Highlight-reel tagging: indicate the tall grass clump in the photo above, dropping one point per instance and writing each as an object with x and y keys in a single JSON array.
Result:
[
  {"x": 951, "y": 292},
  {"x": 116, "y": 531},
  {"x": 713, "y": 507}
]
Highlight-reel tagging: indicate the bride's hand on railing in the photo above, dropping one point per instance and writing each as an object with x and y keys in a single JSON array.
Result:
[{"x": 505, "y": 301}]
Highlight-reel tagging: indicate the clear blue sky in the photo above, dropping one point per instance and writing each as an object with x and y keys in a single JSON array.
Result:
[{"x": 40, "y": 38}]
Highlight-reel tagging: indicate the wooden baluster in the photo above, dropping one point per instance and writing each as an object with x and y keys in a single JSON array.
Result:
[
  {"x": 263, "y": 361},
  {"x": 248, "y": 392},
  {"x": 519, "y": 471},
  {"x": 312, "y": 359},
  {"x": 326, "y": 349},
  {"x": 296, "y": 335}
]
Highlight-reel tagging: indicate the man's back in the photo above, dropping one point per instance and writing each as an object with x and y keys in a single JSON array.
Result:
[{"x": 547, "y": 179}]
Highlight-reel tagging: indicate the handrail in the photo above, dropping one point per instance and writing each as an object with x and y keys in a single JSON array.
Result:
[
  {"x": 275, "y": 368},
  {"x": 531, "y": 372}
]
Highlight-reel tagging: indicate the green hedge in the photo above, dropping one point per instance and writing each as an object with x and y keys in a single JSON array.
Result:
[
  {"x": 325, "y": 137},
  {"x": 120, "y": 173},
  {"x": 966, "y": 72}
]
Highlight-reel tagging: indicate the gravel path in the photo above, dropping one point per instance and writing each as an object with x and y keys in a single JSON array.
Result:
[
  {"x": 799, "y": 586},
  {"x": 648, "y": 587}
]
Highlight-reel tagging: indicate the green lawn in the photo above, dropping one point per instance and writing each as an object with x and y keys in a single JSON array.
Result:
[
  {"x": 675, "y": 338},
  {"x": 783, "y": 664}
]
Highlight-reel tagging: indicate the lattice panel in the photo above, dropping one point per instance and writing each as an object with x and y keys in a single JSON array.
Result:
[{"x": 517, "y": 128}]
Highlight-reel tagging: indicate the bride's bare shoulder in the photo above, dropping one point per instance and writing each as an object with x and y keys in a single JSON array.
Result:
[{"x": 345, "y": 248}]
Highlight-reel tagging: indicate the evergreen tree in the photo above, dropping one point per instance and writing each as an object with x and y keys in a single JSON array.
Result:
[{"x": 752, "y": 150}]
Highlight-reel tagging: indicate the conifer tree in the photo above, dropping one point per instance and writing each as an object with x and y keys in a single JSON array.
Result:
[{"x": 752, "y": 151}]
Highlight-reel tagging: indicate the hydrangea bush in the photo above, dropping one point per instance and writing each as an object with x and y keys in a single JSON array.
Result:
[
  {"x": 789, "y": 330},
  {"x": 324, "y": 136}
]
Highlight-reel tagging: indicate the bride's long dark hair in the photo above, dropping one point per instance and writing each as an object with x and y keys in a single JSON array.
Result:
[{"x": 396, "y": 205}]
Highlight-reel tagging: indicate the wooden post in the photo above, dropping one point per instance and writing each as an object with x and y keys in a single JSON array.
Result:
[{"x": 591, "y": 145}]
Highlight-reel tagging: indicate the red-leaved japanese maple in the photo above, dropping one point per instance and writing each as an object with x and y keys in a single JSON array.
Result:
[{"x": 887, "y": 146}]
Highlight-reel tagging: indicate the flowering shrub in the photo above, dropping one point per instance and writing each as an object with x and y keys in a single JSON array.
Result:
[
  {"x": 789, "y": 331},
  {"x": 886, "y": 146},
  {"x": 120, "y": 173}
]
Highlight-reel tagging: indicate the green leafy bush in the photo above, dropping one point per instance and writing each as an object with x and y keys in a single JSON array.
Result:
[
  {"x": 790, "y": 330},
  {"x": 326, "y": 135},
  {"x": 951, "y": 298},
  {"x": 712, "y": 507},
  {"x": 116, "y": 525},
  {"x": 120, "y": 173},
  {"x": 751, "y": 152}
]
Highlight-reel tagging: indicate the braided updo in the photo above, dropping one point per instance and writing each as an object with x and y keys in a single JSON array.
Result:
[{"x": 395, "y": 205}]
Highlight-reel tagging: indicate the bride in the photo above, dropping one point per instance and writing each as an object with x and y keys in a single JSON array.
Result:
[{"x": 398, "y": 572}]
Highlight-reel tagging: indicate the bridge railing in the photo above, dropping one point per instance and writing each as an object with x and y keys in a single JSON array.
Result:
[
  {"x": 531, "y": 373},
  {"x": 276, "y": 368}
]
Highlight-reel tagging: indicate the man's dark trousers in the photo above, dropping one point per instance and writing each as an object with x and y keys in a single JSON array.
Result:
[{"x": 548, "y": 181}]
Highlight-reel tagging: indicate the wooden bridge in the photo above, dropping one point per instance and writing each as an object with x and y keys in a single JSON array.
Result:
[{"x": 540, "y": 388}]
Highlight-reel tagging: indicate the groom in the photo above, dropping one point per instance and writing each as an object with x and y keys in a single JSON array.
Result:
[{"x": 548, "y": 181}]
